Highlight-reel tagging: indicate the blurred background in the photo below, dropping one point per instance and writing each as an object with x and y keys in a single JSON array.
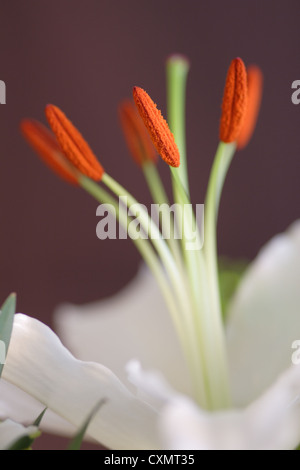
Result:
[{"x": 85, "y": 56}]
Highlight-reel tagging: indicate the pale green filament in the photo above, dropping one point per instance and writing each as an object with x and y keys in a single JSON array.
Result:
[
  {"x": 176, "y": 277},
  {"x": 201, "y": 269},
  {"x": 142, "y": 245},
  {"x": 178, "y": 301},
  {"x": 160, "y": 198},
  {"x": 219, "y": 170},
  {"x": 177, "y": 71}
]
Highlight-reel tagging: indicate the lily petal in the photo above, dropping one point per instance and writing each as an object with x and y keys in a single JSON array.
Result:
[
  {"x": 264, "y": 317},
  {"x": 134, "y": 323},
  {"x": 22, "y": 408},
  {"x": 151, "y": 386},
  {"x": 270, "y": 423},
  {"x": 40, "y": 365},
  {"x": 10, "y": 432}
]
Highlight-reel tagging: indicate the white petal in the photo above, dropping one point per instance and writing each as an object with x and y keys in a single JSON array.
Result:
[
  {"x": 270, "y": 423},
  {"x": 264, "y": 317},
  {"x": 39, "y": 364},
  {"x": 132, "y": 324},
  {"x": 151, "y": 386},
  {"x": 22, "y": 408},
  {"x": 11, "y": 431}
]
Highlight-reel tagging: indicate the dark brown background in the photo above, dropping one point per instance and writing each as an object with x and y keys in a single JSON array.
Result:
[{"x": 85, "y": 56}]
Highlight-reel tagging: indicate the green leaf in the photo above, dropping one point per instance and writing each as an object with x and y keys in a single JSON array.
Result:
[
  {"x": 76, "y": 442},
  {"x": 24, "y": 442},
  {"x": 7, "y": 313},
  {"x": 38, "y": 420},
  {"x": 230, "y": 275}
]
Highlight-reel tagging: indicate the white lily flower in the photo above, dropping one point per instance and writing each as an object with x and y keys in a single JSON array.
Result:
[
  {"x": 161, "y": 416},
  {"x": 262, "y": 324},
  {"x": 170, "y": 373}
]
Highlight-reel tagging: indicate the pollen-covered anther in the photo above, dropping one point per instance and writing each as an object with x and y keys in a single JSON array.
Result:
[
  {"x": 157, "y": 127},
  {"x": 255, "y": 86},
  {"x": 73, "y": 145},
  {"x": 48, "y": 149},
  {"x": 234, "y": 103},
  {"x": 136, "y": 134}
]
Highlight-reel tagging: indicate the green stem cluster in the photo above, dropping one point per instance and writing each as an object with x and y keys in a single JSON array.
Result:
[{"x": 187, "y": 276}]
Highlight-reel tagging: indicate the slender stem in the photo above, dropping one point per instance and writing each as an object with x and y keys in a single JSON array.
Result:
[
  {"x": 197, "y": 284},
  {"x": 219, "y": 170},
  {"x": 204, "y": 290},
  {"x": 178, "y": 282},
  {"x": 177, "y": 71},
  {"x": 177, "y": 68},
  {"x": 143, "y": 246},
  {"x": 102, "y": 196},
  {"x": 154, "y": 182},
  {"x": 146, "y": 222},
  {"x": 160, "y": 198}
]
